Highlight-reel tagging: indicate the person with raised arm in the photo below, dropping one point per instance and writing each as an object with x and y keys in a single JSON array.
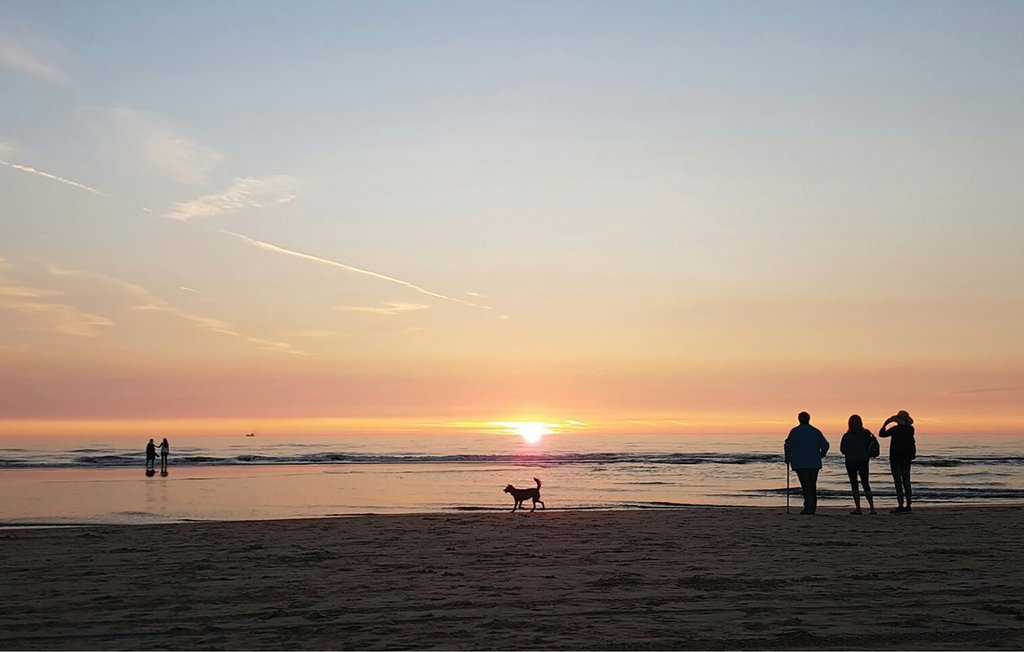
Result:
[
  {"x": 902, "y": 451},
  {"x": 165, "y": 450}
]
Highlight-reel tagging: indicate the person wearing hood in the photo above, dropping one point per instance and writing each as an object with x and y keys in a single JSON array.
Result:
[{"x": 902, "y": 451}]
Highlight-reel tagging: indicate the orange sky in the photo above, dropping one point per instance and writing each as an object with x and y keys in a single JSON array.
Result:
[{"x": 428, "y": 220}]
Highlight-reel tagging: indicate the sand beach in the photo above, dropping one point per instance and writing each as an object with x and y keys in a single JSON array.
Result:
[{"x": 701, "y": 578}]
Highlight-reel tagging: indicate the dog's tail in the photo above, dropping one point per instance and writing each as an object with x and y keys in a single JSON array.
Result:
[{"x": 537, "y": 480}]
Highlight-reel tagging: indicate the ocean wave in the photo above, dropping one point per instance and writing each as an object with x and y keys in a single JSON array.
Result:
[
  {"x": 969, "y": 460},
  {"x": 115, "y": 459},
  {"x": 110, "y": 458},
  {"x": 105, "y": 460},
  {"x": 931, "y": 494}
]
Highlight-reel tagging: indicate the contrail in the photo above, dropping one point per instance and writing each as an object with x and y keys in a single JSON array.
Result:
[
  {"x": 298, "y": 254},
  {"x": 47, "y": 175}
]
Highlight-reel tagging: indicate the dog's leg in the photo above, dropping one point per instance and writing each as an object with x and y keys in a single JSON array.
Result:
[
  {"x": 542, "y": 504},
  {"x": 534, "y": 505}
]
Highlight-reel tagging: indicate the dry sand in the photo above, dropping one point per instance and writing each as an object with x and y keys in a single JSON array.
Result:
[{"x": 944, "y": 577}]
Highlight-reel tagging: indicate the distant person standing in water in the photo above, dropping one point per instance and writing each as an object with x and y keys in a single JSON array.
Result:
[
  {"x": 165, "y": 450},
  {"x": 804, "y": 448},
  {"x": 150, "y": 455},
  {"x": 902, "y": 451},
  {"x": 856, "y": 447}
]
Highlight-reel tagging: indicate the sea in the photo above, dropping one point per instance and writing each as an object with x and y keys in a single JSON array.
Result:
[{"x": 95, "y": 480}]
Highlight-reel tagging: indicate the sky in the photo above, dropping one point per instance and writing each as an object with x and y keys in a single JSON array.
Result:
[{"x": 679, "y": 217}]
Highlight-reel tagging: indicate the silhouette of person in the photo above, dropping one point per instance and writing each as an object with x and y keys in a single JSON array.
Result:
[
  {"x": 855, "y": 447},
  {"x": 150, "y": 456},
  {"x": 804, "y": 449},
  {"x": 165, "y": 450},
  {"x": 902, "y": 451}
]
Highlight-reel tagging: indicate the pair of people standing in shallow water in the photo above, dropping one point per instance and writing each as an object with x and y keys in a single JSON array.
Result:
[
  {"x": 165, "y": 450},
  {"x": 806, "y": 446}
]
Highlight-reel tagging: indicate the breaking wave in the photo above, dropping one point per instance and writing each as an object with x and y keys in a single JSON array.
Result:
[{"x": 93, "y": 458}]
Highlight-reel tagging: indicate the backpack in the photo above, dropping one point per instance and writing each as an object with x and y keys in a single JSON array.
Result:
[{"x": 874, "y": 449}]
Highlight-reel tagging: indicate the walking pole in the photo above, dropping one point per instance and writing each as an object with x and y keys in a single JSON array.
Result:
[{"x": 787, "y": 486}]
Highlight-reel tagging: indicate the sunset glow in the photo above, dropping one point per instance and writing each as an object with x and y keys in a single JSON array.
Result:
[
  {"x": 532, "y": 432},
  {"x": 604, "y": 228}
]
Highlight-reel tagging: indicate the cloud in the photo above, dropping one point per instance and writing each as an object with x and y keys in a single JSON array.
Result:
[
  {"x": 165, "y": 146},
  {"x": 28, "y": 309},
  {"x": 31, "y": 54},
  {"x": 983, "y": 390},
  {"x": 389, "y": 308},
  {"x": 152, "y": 303},
  {"x": 58, "y": 318},
  {"x": 266, "y": 246},
  {"x": 22, "y": 292},
  {"x": 244, "y": 193},
  {"x": 317, "y": 333},
  {"x": 6, "y": 149},
  {"x": 53, "y": 177}
]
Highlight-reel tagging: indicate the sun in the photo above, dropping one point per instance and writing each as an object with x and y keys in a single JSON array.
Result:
[{"x": 531, "y": 432}]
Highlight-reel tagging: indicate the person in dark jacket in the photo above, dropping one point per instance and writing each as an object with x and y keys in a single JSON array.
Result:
[
  {"x": 150, "y": 455},
  {"x": 855, "y": 446},
  {"x": 902, "y": 451},
  {"x": 804, "y": 449}
]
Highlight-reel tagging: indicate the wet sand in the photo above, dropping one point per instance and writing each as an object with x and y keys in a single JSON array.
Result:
[{"x": 701, "y": 578}]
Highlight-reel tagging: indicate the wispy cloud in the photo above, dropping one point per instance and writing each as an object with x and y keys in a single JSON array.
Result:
[
  {"x": 165, "y": 146},
  {"x": 389, "y": 308},
  {"x": 983, "y": 390},
  {"x": 7, "y": 149},
  {"x": 188, "y": 289},
  {"x": 31, "y": 54},
  {"x": 266, "y": 246},
  {"x": 31, "y": 309},
  {"x": 22, "y": 292},
  {"x": 150, "y": 302},
  {"x": 59, "y": 318},
  {"x": 244, "y": 193},
  {"x": 317, "y": 333},
  {"x": 53, "y": 177}
]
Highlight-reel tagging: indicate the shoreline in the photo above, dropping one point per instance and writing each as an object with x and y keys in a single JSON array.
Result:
[
  {"x": 942, "y": 577},
  {"x": 267, "y": 491},
  {"x": 470, "y": 510}
]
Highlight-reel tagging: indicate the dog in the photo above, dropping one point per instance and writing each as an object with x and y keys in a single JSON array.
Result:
[{"x": 522, "y": 494}]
